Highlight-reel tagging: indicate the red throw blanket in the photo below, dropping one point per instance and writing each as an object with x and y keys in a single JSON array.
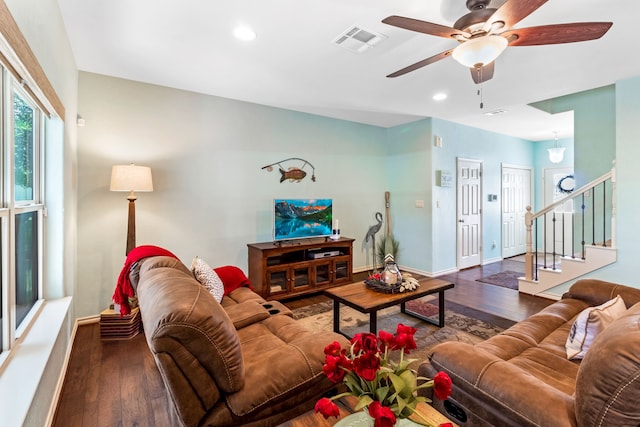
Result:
[
  {"x": 232, "y": 278},
  {"x": 124, "y": 290}
]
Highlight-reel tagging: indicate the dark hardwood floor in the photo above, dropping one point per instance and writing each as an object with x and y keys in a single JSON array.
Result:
[{"x": 116, "y": 383}]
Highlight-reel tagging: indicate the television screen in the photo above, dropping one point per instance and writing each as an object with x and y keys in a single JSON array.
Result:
[{"x": 301, "y": 218}]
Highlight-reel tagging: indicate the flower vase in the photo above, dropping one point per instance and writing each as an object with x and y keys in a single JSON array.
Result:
[{"x": 363, "y": 419}]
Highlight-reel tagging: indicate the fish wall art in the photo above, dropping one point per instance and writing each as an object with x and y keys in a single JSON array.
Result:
[{"x": 292, "y": 173}]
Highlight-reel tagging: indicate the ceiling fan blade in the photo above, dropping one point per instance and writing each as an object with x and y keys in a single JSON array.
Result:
[
  {"x": 556, "y": 34},
  {"x": 422, "y": 63},
  {"x": 512, "y": 12},
  {"x": 482, "y": 74},
  {"x": 423, "y": 26}
]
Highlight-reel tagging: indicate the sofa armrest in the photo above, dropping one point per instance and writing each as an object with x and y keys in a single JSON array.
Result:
[
  {"x": 246, "y": 313},
  {"x": 595, "y": 292},
  {"x": 608, "y": 382}
]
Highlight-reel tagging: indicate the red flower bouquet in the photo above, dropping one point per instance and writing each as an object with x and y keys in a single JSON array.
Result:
[{"x": 387, "y": 388}]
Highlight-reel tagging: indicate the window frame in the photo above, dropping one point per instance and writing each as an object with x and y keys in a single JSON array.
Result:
[{"x": 10, "y": 209}]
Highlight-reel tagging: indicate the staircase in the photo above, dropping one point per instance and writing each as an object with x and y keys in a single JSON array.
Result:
[{"x": 563, "y": 246}]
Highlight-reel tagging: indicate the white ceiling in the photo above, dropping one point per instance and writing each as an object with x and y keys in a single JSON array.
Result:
[{"x": 293, "y": 63}]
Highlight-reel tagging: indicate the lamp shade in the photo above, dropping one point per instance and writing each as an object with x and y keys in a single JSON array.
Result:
[
  {"x": 556, "y": 154},
  {"x": 480, "y": 51},
  {"x": 131, "y": 178}
]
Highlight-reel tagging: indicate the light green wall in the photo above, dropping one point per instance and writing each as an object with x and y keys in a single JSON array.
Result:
[
  {"x": 493, "y": 150},
  {"x": 594, "y": 117},
  {"x": 627, "y": 147},
  {"x": 409, "y": 180},
  {"x": 428, "y": 235},
  {"x": 210, "y": 196}
]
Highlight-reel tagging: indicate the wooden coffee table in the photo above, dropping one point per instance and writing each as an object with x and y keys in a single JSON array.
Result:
[{"x": 359, "y": 297}]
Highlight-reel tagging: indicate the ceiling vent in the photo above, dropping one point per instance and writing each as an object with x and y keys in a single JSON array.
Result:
[
  {"x": 357, "y": 39},
  {"x": 495, "y": 112}
]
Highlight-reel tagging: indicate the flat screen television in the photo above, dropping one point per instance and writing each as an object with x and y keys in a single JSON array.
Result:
[{"x": 301, "y": 218}]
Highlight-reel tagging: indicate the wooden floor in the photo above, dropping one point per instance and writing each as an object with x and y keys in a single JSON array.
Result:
[{"x": 116, "y": 383}]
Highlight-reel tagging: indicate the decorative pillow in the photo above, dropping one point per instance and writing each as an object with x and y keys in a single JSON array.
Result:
[
  {"x": 208, "y": 278},
  {"x": 589, "y": 323}
]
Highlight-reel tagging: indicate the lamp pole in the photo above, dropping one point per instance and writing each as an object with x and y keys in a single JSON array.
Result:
[{"x": 131, "y": 224}]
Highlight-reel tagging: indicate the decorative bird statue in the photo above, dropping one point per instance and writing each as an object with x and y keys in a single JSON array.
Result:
[{"x": 371, "y": 233}]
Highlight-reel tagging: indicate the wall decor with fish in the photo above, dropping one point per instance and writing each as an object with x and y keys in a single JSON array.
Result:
[{"x": 292, "y": 173}]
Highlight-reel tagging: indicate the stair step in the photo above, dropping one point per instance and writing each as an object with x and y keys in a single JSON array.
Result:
[{"x": 595, "y": 257}]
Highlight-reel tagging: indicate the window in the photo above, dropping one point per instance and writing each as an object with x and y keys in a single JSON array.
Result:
[
  {"x": 21, "y": 212},
  {"x": 27, "y": 271},
  {"x": 24, "y": 141}
]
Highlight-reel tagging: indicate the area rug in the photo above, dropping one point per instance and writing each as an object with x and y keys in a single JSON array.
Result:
[
  {"x": 458, "y": 327},
  {"x": 505, "y": 279}
]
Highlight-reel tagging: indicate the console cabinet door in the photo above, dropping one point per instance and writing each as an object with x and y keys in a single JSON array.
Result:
[
  {"x": 300, "y": 276},
  {"x": 342, "y": 269},
  {"x": 276, "y": 281},
  {"x": 323, "y": 273}
]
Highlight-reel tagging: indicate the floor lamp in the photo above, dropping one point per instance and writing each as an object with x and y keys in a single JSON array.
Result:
[{"x": 131, "y": 178}]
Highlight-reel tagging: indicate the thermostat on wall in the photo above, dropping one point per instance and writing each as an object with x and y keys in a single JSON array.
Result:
[{"x": 444, "y": 178}]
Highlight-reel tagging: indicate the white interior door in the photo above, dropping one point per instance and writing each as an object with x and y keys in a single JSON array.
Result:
[
  {"x": 469, "y": 210},
  {"x": 562, "y": 226},
  {"x": 516, "y": 196}
]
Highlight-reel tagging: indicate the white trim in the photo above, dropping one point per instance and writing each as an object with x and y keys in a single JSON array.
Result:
[
  {"x": 28, "y": 360},
  {"x": 88, "y": 320},
  {"x": 63, "y": 375}
]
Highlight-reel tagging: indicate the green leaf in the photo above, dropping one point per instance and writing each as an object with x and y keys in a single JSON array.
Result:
[
  {"x": 398, "y": 382},
  {"x": 381, "y": 393},
  {"x": 364, "y": 400},
  {"x": 401, "y": 404},
  {"x": 409, "y": 379}
]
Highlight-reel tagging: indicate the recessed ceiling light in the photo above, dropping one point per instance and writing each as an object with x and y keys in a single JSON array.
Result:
[
  {"x": 439, "y": 96},
  {"x": 244, "y": 33}
]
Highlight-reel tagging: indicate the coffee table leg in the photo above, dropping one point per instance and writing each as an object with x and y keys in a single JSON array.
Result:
[
  {"x": 373, "y": 322},
  {"x": 440, "y": 321},
  {"x": 441, "y": 309},
  {"x": 336, "y": 316}
]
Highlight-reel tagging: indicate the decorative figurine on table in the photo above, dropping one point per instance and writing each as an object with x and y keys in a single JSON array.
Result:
[
  {"x": 371, "y": 234},
  {"x": 391, "y": 274}
]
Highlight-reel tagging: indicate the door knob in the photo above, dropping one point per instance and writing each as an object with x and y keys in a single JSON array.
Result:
[{"x": 461, "y": 220}]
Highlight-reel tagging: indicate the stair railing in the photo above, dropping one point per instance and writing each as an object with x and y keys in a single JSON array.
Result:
[{"x": 594, "y": 205}]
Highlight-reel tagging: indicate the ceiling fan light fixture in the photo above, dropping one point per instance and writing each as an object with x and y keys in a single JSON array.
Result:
[
  {"x": 479, "y": 51},
  {"x": 244, "y": 33}
]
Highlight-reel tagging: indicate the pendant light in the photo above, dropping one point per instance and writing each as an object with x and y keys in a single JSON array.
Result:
[{"x": 556, "y": 154}]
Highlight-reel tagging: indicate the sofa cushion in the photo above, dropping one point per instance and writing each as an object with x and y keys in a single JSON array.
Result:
[
  {"x": 589, "y": 323},
  {"x": 246, "y": 313},
  {"x": 208, "y": 278},
  {"x": 239, "y": 296},
  {"x": 608, "y": 382},
  {"x": 280, "y": 356}
]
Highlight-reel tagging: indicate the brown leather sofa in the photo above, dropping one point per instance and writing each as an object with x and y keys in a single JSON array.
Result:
[
  {"x": 244, "y": 361},
  {"x": 522, "y": 377}
]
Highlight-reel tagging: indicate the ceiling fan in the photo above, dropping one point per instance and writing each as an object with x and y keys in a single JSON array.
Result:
[{"x": 485, "y": 32}]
